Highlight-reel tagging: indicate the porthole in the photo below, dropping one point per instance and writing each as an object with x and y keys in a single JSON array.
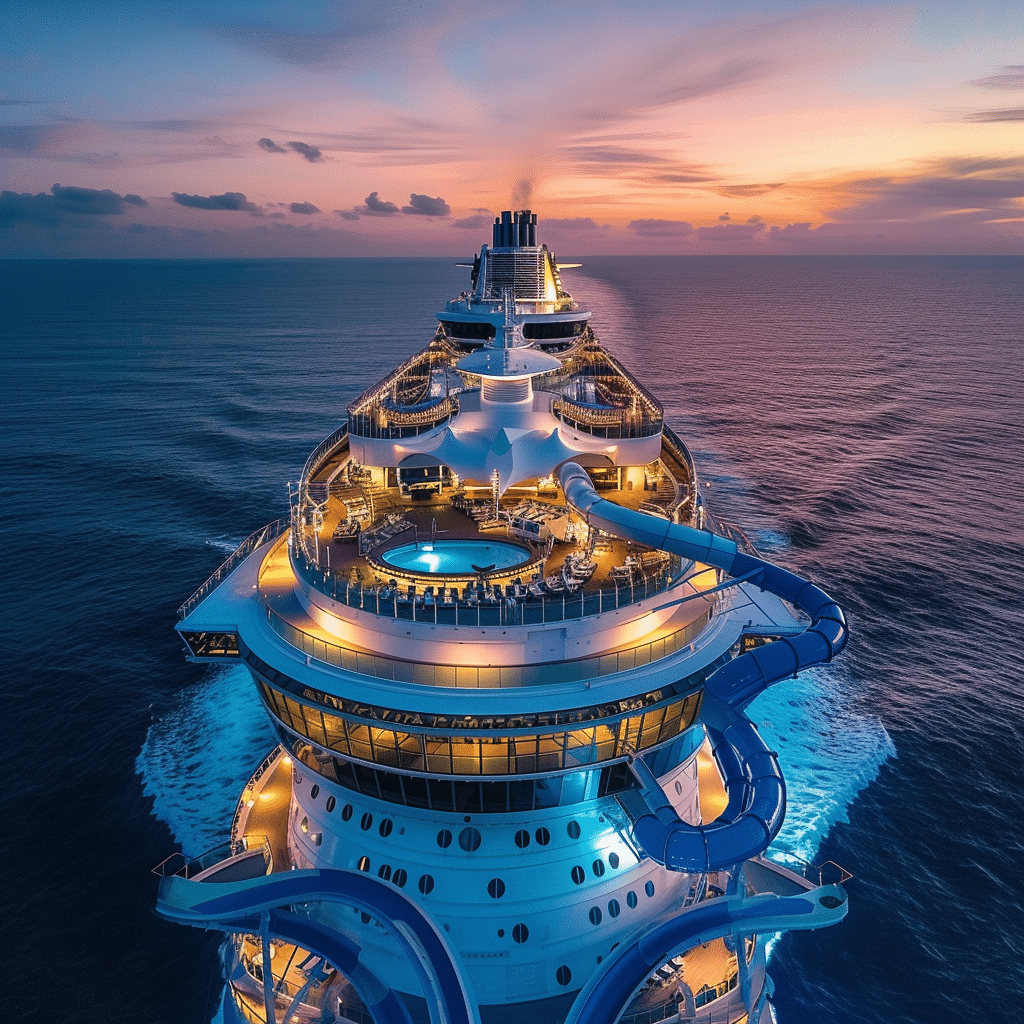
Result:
[
  {"x": 385, "y": 827},
  {"x": 613, "y": 908},
  {"x": 679, "y": 787},
  {"x": 366, "y": 821},
  {"x": 595, "y": 915},
  {"x": 613, "y": 859},
  {"x": 363, "y": 864},
  {"x": 495, "y": 888},
  {"x": 578, "y": 874},
  {"x": 384, "y": 871},
  {"x": 400, "y": 877},
  {"x": 346, "y": 812},
  {"x": 469, "y": 839},
  {"x": 563, "y": 975},
  {"x": 573, "y": 828},
  {"x": 426, "y": 884},
  {"x": 631, "y": 899},
  {"x": 314, "y": 792},
  {"x": 330, "y": 804},
  {"x": 365, "y": 917},
  {"x": 543, "y": 836},
  {"x": 649, "y": 888},
  {"x": 444, "y": 839},
  {"x": 520, "y": 933},
  {"x": 522, "y": 839},
  {"x": 598, "y": 867},
  {"x": 501, "y": 933}
]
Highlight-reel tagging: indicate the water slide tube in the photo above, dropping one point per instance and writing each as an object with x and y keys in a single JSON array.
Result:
[
  {"x": 739, "y": 681},
  {"x": 622, "y": 974},
  {"x": 240, "y": 906}
]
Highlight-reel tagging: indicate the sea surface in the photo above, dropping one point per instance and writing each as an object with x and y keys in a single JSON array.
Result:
[{"x": 862, "y": 419}]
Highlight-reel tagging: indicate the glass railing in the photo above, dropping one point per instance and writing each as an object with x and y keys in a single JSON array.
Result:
[{"x": 475, "y": 677}]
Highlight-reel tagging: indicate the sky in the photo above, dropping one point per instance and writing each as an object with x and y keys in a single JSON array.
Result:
[{"x": 390, "y": 128}]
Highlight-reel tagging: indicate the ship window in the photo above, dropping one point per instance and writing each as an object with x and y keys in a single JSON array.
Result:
[
  {"x": 649, "y": 888},
  {"x": 494, "y": 796},
  {"x": 631, "y": 899},
  {"x": 366, "y": 821},
  {"x": 520, "y": 933},
  {"x": 426, "y": 884},
  {"x": 495, "y": 888},
  {"x": 469, "y": 839},
  {"x": 330, "y": 804},
  {"x": 522, "y": 839},
  {"x": 543, "y": 836},
  {"x": 578, "y": 874},
  {"x": 573, "y": 828},
  {"x": 384, "y": 871},
  {"x": 363, "y": 863},
  {"x": 563, "y": 975},
  {"x": 346, "y": 812},
  {"x": 415, "y": 791},
  {"x": 444, "y": 839},
  {"x": 613, "y": 859},
  {"x": 441, "y": 795},
  {"x": 314, "y": 792},
  {"x": 385, "y": 827},
  {"x": 400, "y": 877},
  {"x": 599, "y": 867},
  {"x": 613, "y": 908},
  {"x": 595, "y": 915},
  {"x": 520, "y": 795}
]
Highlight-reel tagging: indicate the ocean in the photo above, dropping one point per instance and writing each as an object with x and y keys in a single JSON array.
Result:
[{"x": 862, "y": 419}]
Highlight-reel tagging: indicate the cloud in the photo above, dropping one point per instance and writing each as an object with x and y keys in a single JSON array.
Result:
[
  {"x": 729, "y": 232},
  {"x": 425, "y": 206},
  {"x": 661, "y": 228},
  {"x": 724, "y": 216},
  {"x": 744, "y": 191},
  {"x": 64, "y": 202},
  {"x": 1011, "y": 77},
  {"x": 377, "y": 207},
  {"x": 474, "y": 221},
  {"x": 995, "y": 116},
  {"x": 347, "y": 214},
  {"x": 225, "y": 201},
  {"x": 307, "y": 152},
  {"x": 570, "y": 224},
  {"x": 306, "y": 208},
  {"x": 270, "y": 146}
]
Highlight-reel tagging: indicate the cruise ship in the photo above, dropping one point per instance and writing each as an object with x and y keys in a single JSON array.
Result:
[{"x": 506, "y": 651}]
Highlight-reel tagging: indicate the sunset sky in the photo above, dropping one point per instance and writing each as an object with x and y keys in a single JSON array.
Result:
[{"x": 330, "y": 128}]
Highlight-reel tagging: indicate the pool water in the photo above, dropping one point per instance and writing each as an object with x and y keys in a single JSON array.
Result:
[{"x": 455, "y": 557}]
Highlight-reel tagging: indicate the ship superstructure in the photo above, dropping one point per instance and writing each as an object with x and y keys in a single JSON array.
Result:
[{"x": 507, "y": 661}]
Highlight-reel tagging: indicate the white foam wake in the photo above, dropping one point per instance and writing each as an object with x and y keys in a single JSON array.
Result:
[{"x": 199, "y": 755}]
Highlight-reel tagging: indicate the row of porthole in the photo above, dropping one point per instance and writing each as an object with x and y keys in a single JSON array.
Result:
[
  {"x": 579, "y": 873},
  {"x": 613, "y": 905}
]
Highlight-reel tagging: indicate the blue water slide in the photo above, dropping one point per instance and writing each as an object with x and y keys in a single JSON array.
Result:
[
  {"x": 739, "y": 681},
  {"x": 240, "y": 906},
  {"x": 620, "y": 977},
  {"x": 752, "y": 817}
]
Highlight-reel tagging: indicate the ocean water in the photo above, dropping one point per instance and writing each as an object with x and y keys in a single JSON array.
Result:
[{"x": 861, "y": 418}]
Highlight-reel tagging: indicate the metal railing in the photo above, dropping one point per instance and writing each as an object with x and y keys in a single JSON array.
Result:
[
  {"x": 256, "y": 539},
  {"x": 321, "y": 452},
  {"x": 180, "y": 865}
]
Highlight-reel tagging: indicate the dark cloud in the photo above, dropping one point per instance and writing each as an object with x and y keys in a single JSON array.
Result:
[
  {"x": 729, "y": 232},
  {"x": 474, "y": 221},
  {"x": 25, "y": 138},
  {"x": 425, "y": 206},
  {"x": 377, "y": 207},
  {"x": 724, "y": 216},
  {"x": 306, "y": 208},
  {"x": 743, "y": 191},
  {"x": 225, "y": 201},
  {"x": 347, "y": 214},
  {"x": 522, "y": 193},
  {"x": 1011, "y": 77},
  {"x": 613, "y": 155},
  {"x": 793, "y": 234},
  {"x": 307, "y": 152},
  {"x": 270, "y": 146},
  {"x": 63, "y": 202},
  {"x": 756, "y": 219},
  {"x": 660, "y": 228},
  {"x": 995, "y": 116}
]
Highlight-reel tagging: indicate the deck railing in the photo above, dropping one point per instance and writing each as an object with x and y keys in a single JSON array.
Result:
[{"x": 259, "y": 537}]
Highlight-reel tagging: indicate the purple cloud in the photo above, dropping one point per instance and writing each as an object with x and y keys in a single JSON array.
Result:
[
  {"x": 307, "y": 152},
  {"x": 377, "y": 207},
  {"x": 225, "y": 201},
  {"x": 1011, "y": 77},
  {"x": 62, "y": 201},
  {"x": 649, "y": 228},
  {"x": 729, "y": 232},
  {"x": 474, "y": 221},
  {"x": 425, "y": 206},
  {"x": 270, "y": 146},
  {"x": 306, "y": 208}
]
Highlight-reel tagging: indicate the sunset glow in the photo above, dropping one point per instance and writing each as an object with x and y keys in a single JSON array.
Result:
[{"x": 330, "y": 129}]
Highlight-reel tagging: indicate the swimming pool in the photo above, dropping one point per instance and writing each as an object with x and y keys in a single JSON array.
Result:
[{"x": 455, "y": 557}]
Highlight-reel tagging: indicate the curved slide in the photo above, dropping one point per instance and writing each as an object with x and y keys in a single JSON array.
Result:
[
  {"x": 239, "y": 906},
  {"x": 739, "y": 681},
  {"x": 619, "y": 978}
]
